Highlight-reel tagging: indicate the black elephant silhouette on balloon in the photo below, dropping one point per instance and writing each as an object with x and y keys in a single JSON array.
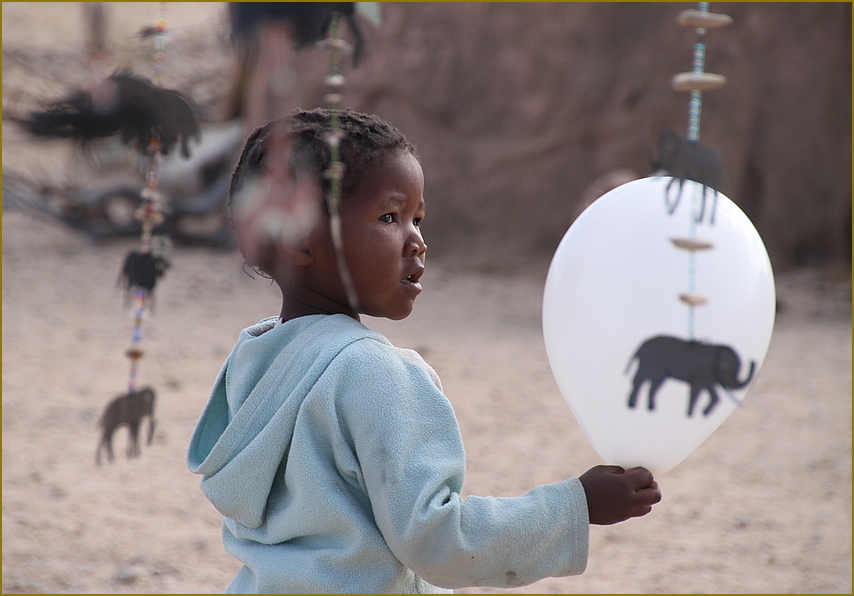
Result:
[{"x": 702, "y": 365}]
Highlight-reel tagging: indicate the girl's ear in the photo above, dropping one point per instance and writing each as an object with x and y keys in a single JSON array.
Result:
[{"x": 299, "y": 255}]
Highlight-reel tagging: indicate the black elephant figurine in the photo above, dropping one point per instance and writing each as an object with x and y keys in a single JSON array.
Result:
[
  {"x": 702, "y": 365},
  {"x": 126, "y": 410},
  {"x": 689, "y": 160}
]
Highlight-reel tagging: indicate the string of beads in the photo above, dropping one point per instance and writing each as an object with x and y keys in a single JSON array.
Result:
[
  {"x": 150, "y": 214},
  {"x": 335, "y": 173},
  {"x": 696, "y": 82}
]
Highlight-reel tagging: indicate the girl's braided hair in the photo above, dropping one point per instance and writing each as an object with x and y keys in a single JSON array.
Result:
[{"x": 366, "y": 143}]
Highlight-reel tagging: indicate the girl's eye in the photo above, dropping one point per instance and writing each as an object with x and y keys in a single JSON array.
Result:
[{"x": 387, "y": 218}]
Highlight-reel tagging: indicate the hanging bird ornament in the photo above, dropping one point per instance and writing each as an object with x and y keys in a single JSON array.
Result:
[{"x": 123, "y": 104}]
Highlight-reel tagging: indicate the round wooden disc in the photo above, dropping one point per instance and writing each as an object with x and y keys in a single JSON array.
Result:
[
  {"x": 693, "y": 299},
  {"x": 705, "y": 81},
  {"x": 704, "y": 20},
  {"x": 692, "y": 243}
]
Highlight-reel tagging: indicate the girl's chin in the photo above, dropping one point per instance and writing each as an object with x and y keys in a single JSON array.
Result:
[{"x": 396, "y": 314}]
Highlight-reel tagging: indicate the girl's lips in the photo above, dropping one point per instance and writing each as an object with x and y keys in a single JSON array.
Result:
[
  {"x": 413, "y": 281},
  {"x": 412, "y": 285}
]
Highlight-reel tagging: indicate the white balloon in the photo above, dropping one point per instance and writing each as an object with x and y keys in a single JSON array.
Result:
[{"x": 615, "y": 281}]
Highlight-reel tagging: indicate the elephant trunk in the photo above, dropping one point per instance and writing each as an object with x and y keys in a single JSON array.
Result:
[{"x": 744, "y": 383}]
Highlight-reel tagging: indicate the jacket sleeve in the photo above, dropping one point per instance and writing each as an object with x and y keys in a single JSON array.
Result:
[{"x": 407, "y": 441}]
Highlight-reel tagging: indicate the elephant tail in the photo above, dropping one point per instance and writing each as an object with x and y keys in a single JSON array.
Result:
[
  {"x": 631, "y": 361},
  {"x": 744, "y": 383}
]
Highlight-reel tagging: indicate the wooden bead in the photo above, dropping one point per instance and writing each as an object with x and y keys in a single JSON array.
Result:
[
  {"x": 692, "y": 243},
  {"x": 703, "y": 20},
  {"x": 334, "y": 80},
  {"x": 335, "y": 171},
  {"x": 333, "y": 137},
  {"x": 693, "y": 299},
  {"x": 152, "y": 217},
  {"x": 705, "y": 81},
  {"x": 151, "y": 194},
  {"x": 336, "y": 44},
  {"x": 333, "y": 98},
  {"x": 134, "y": 353},
  {"x": 333, "y": 132}
]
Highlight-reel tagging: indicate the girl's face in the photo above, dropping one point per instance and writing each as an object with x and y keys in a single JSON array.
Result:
[{"x": 383, "y": 246}]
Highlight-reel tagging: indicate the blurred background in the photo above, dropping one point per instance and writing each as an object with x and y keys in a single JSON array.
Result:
[
  {"x": 518, "y": 109},
  {"x": 523, "y": 113}
]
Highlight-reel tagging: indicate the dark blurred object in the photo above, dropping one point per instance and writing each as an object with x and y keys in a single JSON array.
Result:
[
  {"x": 141, "y": 270},
  {"x": 684, "y": 159},
  {"x": 128, "y": 410},
  {"x": 310, "y": 21},
  {"x": 124, "y": 104},
  {"x": 267, "y": 37},
  {"x": 104, "y": 206}
]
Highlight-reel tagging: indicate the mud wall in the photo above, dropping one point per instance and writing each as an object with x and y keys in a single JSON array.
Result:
[{"x": 518, "y": 109}]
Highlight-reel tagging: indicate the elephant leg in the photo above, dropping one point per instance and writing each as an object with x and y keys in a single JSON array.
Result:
[
  {"x": 151, "y": 424},
  {"x": 98, "y": 451},
  {"x": 702, "y": 206},
  {"x": 713, "y": 401},
  {"x": 655, "y": 384},
  {"x": 671, "y": 207},
  {"x": 714, "y": 206},
  {"x": 692, "y": 400},
  {"x": 103, "y": 445},
  {"x": 133, "y": 439},
  {"x": 636, "y": 387},
  {"x": 109, "y": 444},
  {"x": 667, "y": 195}
]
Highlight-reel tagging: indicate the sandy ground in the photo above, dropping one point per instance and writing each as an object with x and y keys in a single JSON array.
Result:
[{"x": 763, "y": 506}]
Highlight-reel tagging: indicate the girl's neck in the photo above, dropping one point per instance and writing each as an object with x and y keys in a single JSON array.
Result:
[{"x": 293, "y": 307}]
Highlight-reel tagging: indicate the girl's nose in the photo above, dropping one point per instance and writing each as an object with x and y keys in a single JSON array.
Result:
[{"x": 416, "y": 245}]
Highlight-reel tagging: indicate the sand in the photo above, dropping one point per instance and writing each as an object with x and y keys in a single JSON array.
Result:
[{"x": 763, "y": 506}]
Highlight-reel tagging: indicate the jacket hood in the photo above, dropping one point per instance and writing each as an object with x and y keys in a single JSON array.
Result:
[{"x": 242, "y": 438}]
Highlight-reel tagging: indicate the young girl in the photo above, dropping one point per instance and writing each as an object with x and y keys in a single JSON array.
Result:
[{"x": 333, "y": 455}]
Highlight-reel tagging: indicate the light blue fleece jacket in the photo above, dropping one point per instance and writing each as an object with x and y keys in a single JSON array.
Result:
[{"x": 338, "y": 465}]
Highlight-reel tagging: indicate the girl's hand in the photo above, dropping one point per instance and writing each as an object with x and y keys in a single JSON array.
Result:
[{"x": 615, "y": 494}]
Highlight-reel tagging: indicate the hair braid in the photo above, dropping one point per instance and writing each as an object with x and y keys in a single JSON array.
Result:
[{"x": 367, "y": 142}]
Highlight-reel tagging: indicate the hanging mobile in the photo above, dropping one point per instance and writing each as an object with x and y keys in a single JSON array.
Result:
[
  {"x": 646, "y": 388},
  {"x": 171, "y": 119},
  {"x": 696, "y": 162}
]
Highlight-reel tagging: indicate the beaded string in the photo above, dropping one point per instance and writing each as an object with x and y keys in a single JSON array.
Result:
[
  {"x": 695, "y": 82},
  {"x": 695, "y": 105},
  {"x": 150, "y": 213},
  {"x": 335, "y": 173},
  {"x": 160, "y": 45},
  {"x": 696, "y": 101}
]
